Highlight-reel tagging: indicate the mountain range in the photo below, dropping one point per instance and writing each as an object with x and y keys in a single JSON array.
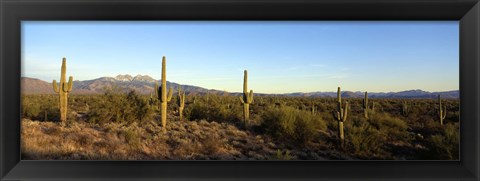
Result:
[{"x": 145, "y": 84}]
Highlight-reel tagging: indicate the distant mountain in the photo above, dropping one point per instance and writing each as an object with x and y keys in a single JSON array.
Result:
[
  {"x": 403, "y": 94},
  {"x": 145, "y": 84},
  {"x": 35, "y": 86},
  {"x": 142, "y": 84},
  {"x": 349, "y": 94}
]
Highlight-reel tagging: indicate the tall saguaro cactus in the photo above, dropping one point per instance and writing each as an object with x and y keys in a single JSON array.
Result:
[
  {"x": 341, "y": 115},
  {"x": 246, "y": 99},
  {"x": 161, "y": 93},
  {"x": 181, "y": 102},
  {"x": 63, "y": 89},
  {"x": 314, "y": 109},
  {"x": 365, "y": 105},
  {"x": 153, "y": 100},
  {"x": 442, "y": 110},
  {"x": 405, "y": 109}
]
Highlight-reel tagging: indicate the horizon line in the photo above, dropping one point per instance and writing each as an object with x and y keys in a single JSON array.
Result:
[{"x": 318, "y": 91}]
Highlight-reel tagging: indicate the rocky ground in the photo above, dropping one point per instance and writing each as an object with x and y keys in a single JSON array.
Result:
[{"x": 182, "y": 140}]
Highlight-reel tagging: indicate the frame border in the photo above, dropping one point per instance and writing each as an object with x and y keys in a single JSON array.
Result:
[{"x": 12, "y": 12}]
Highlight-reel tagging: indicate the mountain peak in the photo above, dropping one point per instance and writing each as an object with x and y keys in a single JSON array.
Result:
[
  {"x": 124, "y": 78},
  {"x": 144, "y": 78}
]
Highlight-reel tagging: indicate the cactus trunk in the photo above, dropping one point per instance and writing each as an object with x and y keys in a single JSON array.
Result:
[
  {"x": 181, "y": 102},
  {"x": 341, "y": 134},
  {"x": 162, "y": 94},
  {"x": 442, "y": 110},
  {"x": 180, "y": 109},
  {"x": 246, "y": 115},
  {"x": 246, "y": 99},
  {"x": 405, "y": 109},
  {"x": 341, "y": 116},
  {"x": 63, "y": 89},
  {"x": 164, "y": 114},
  {"x": 365, "y": 106}
]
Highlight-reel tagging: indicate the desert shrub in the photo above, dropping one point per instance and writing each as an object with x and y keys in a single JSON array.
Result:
[
  {"x": 445, "y": 145},
  {"x": 115, "y": 106},
  {"x": 40, "y": 107},
  {"x": 289, "y": 124},
  {"x": 131, "y": 137},
  {"x": 279, "y": 155},
  {"x": 197, "y": 111},
  {"x": 220, "y": 109},
  {"x": 395, "y": 127},
  {"x": 366, "y": 141},
  {"x": 372, "y": 138}
]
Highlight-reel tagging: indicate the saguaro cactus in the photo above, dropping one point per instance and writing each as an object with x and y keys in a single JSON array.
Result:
[
  {"x": 365, "y": 105},
  {"x": 63, "y": 90},
  {"x": 161, "y": 93},
  {"x": 405, "y": 109},
  {"x": 341, "y": 115},
  {"x": 314, "y": 109},
  {"x": 153, "y": 101},
  {"x": 181, "y": 102},
  {"x": 373, "y": 107},
  {"x": 246, "y": 99},
  {"x": 442, "y": 110}
]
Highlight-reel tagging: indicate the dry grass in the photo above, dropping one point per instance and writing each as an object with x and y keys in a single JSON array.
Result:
[{"x": 200, "y": 140}]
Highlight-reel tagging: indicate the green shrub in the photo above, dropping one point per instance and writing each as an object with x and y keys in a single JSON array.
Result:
[
  {"x": 217, "y": 108},
  {"x": 444, "y": 145},
  {"x": 279, "y": 155},
  {"x": 394, "y": 127},
  {"x": 372, "y": 138},
  {"x": 115, "y": 106},
  {"x": 40, "y": 107},
  {"x": 292, "y": 125},
  {"x": 366, "y": 141}
]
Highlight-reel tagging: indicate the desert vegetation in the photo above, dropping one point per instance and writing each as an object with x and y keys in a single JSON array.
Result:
[{"x": 121, "y": 124}]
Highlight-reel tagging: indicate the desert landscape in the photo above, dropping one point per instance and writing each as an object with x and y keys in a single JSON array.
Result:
[
  {"x": 240, "y": 90},
  {"x": 136, "y": 118}
]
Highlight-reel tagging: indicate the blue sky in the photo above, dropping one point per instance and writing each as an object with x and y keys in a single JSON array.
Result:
[{"x": 280, "y": 56}]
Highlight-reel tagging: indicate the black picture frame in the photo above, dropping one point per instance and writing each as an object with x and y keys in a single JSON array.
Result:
[{"x": 12, "y": 12}]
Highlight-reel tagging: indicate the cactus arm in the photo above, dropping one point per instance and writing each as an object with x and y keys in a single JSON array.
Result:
[
  {"x": 169, "y": 96},
  {"x": 70, "y": 83},
  {"x": 67, "y": 87},
  {"x": 182, "y": 100},
  {"x": 156, "y": 90},
  {"x": 250, "y": 97},
  {"x": 336, "y": 115},
  {"x": 444, "y": 112},
  {"x": 241, "y": 100},
  {"x": 64, "y": 87},
  {"x": 345, "y": 113},
  {"x": 55, "y": 86}
]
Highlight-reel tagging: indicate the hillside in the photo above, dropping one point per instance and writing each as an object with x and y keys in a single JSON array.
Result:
[{"x": 144, "y": 84}]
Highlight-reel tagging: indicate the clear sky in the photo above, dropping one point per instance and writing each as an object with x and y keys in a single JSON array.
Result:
[{"x": 281, "y": 56}]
